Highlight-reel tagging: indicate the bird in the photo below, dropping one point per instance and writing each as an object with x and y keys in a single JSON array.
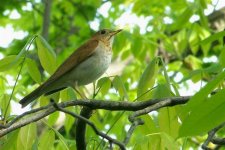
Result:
[{"x": 85, "y": 65}]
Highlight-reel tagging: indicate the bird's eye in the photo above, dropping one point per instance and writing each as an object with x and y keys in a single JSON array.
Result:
[{"x": 103, "y": 32}]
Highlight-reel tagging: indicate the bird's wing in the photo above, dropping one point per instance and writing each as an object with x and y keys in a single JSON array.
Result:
[
  {"x": 75, "y": 59},
  {"x": 83, "y": 52}
]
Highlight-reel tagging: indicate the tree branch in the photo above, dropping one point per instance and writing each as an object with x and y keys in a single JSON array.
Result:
[
  {"x": 155, "y": 106},
  {"x": 37, "y": 114},
  {"x": 86, "y": 111},
  {"x": 136, "y": 123},
  {"x": 46, "y": 18},
  {"x": 211, "y": 135}
]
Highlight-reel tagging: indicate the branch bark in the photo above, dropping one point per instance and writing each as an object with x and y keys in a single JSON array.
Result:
[
  {"x": 46, "y": 18},
  {"x": 81, "y": 128},
  {"x": 37, "y": 114},
  {"x": 82, "y": 120}
]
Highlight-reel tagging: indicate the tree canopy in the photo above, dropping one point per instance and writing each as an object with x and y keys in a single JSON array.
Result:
[{"x": 163, "y": 90}]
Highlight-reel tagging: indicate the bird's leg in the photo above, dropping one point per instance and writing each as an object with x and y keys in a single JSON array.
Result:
[{"x": 82, "y": 95}]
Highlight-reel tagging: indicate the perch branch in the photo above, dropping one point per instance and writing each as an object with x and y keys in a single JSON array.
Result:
[{"x": 42, "y": 112}]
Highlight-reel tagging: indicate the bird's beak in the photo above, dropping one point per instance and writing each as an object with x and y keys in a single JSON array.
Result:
[
  {"x": 112, "y": 33},
  {"x": 115, "y": 32}
]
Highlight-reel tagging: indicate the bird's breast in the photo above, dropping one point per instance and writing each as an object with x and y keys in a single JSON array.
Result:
[{"x": 93, "y": 67}]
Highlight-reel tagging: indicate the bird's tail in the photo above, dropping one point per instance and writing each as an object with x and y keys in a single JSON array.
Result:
[{"x": 32, "y": 96}]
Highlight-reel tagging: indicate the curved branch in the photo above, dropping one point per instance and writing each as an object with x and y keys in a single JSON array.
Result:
[
  {"x": 86, "y": 113},
  {"x": 136, "y": 123},
  {"x": 213, "y": 139},
  {"x": 37, "y": 114}
]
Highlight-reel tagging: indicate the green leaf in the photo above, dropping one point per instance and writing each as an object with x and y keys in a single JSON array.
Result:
[
  {"x": 104, "y": 84},
  {"x": 213, "y": 37},
  {"x": 161, "y": 91},
  {"x": 199, "y": 97},
  {"x": 69, "y": 121},
  {"x": 176, "y": 65},
  {"x": 204, "y": 117},
  {"x": 168, "y": 121},
  {"x": 183, "y": 19},
  {"x": 9, "y": 62},
  {"x": 136, "y": 46},
  {"x": 52, "y": 118},
  {"x": 166, "y": 76},
  {"x": 222, "y": 57},
  {"x": 203, "y": 34},
  {"x": 33, "y": 70},
  {"x": 61, "y": 138},
  {"x": 14, "y": 60},
  {"x": 46, "y": 55},
  {"x": 147, "y": 79},
  {"x": 193, "y": 62},
  {"x": 27, "y": 136},
  {"x": 67, "y": 94},
  {"x": 194, "y": 40},
  {"x": 168, "y": 142},
  {"x": 9, "y": 141},
  {"x": 46, "y": 140},
  {"x": 4, "y": 99},
  {"x": 119, "y": 86}
]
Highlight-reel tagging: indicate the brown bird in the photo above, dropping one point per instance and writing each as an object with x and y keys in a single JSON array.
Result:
[{"x": 82, "y": 67}]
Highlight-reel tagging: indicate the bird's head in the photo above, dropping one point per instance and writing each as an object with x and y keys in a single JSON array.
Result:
[{"x": 106, "y": 35}]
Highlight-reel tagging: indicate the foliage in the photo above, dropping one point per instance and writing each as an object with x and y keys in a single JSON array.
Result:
[{"x": 190, "y": 52}]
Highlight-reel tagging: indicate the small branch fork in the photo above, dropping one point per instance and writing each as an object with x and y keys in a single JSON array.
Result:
[
  {"x": 138, "y": 108},
  {"x": 103, "y": 135},
  {"x": 211, "y": 138}
]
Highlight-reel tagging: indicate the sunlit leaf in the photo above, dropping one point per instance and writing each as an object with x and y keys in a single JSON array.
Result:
[
  {"x": 61, "y": 138},
  {"x": 147, "y": 79},
  {"x": 69, "y": 122},
  {"x": 9, "y": 62},
  {"x": 46, "y": 55},
  {"x": 168, "y": 142},
  {"x": 67, "y": 94},
  {"x": 161, "y": 91},
  {"x": 53, "y": 118},
  {"x": 175, "y": 65},
  {"x": 213, "y": 37},
  {"x": 46, "y": 140},
  {"x": 4, "y": 100},
  {"x": 119, "y": 86},
  {"x": 33, "y": 70},
  {"x": 104, "y": 85},
  {"x": 168, "y": 121},
  {"x": 204, "y": 117},
  {"x": 201, "y": 96},
  {"x": 193, "y": 62},
  {"x": 183, "y": 19},
  {"x": 27, "y": 136},
  {"x": 10, "y": 141}
]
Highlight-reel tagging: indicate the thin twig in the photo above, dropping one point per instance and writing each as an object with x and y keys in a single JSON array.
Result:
[
  {"x": 211, "y": 135},
  {"x": 136, "y": 123},
  {"x": 23, "y": 115},
  {"x": 218, "y": 141},
  {"x": 155, "y": 106},
  {"x": 17, "y": 78},
  {"x": 103, "y": 135}
]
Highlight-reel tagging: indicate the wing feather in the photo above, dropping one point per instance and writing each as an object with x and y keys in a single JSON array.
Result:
[{"x": 74, "y": 59}]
